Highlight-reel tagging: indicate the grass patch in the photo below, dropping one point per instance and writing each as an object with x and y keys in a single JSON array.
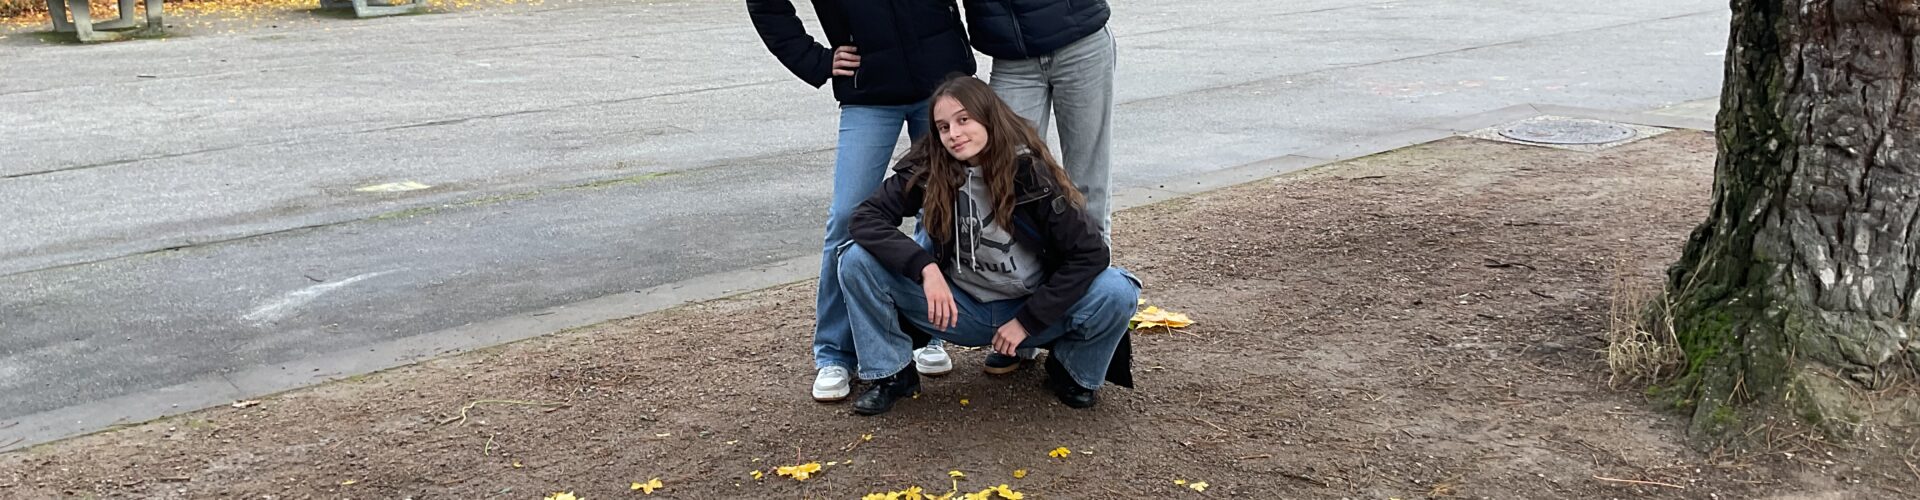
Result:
[{"x": 1641, "y": 344}]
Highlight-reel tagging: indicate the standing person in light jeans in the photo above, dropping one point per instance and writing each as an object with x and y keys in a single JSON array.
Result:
[
  {"x": 886, "y": 58},
  {"x": 1055, "y": 59}
]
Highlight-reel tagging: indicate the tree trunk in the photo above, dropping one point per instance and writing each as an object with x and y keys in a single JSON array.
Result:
[{"x": 1799, "y": 291}]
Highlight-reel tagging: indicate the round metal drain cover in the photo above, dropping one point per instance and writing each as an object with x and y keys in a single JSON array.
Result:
[{"x": 1567, "y": 131}]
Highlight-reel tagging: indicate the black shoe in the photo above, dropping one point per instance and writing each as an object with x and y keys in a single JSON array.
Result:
[
  {"x": 881, "y": 394},
  {"x": 1001, "y": 364},
  {"x": 1069, "y": 392}
]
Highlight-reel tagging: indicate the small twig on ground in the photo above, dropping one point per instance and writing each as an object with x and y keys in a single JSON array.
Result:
[
  {"x": 1216, "y": 426},
  {"x": 1255, "y": 457},
  {"x": 1546, "y": 371},
  {"x": 1916, "y": 470},
  {"x": 1496, "y": 263},
  {"x": 1649, "y": 483},
  {"x": 1322, "y": 484},
  {"x": 11, "y": 443},
  {"x": 850, "y": 446},
  {"x": 462, "y": 419},
  {"x": 488, "y": 449},
  {"x": 1365, "y": 177},
  {"x": 9, "y": 425},
  {"x": 1542, "y": 294},
  {"x": 178, "y": 479}
]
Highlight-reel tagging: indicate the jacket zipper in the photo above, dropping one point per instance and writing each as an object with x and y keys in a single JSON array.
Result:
[
  {"x": 1019, "y": 39},
  {"x": 856, "y": 71}
]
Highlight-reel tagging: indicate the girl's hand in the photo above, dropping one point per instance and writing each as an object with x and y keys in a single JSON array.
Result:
[
  {"x": 941, "y": 311},
  {"x": 1007, "y": 340},
  {"x": 846, "y": 59}
]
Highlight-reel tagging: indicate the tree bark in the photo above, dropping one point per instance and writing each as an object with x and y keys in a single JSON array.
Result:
[{"x": 1799, "y": 290}]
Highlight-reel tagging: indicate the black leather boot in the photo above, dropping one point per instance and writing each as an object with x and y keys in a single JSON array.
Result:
[
  {"x": 881, "y": 394},
  {"x": 1069, "y": 392}
]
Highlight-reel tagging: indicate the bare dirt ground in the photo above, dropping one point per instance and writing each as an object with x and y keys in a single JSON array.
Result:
[{"x": 1422, "y": 323}]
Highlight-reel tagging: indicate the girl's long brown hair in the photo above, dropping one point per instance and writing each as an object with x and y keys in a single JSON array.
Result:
[{"x": 1007, "y": 136}]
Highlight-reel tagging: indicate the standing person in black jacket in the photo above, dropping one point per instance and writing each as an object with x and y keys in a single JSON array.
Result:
[
  {"x": 1027, "y": 266},
  {"x": 885, "y": 60},
  {"x": 1055, "y": 59}
]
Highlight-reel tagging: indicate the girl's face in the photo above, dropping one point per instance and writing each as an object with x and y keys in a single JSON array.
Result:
[{"x": 963, "y": 136}]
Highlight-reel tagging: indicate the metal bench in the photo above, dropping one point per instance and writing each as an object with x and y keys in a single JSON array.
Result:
[
  {"x": 83, "y": 27},
  {"x": 376, "y": 8}
]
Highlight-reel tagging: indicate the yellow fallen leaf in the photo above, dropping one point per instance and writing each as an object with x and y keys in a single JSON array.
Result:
[
  {"x": 757, "y": 475},
  {"x": 830, "y": 464},
  {"x": 963, "y": 402},
  {"x": 956, "y": 474},
  {"x": 1178, "y": 320},
  {"x": 516, "y": 464},
  {"x": 1002, "y": 492},
  {"x": 1200, "y": 486},
  {"x": 1181, "y": 482},
  {"x": 348, "y": 482},
  {"x": 649, "y": 486},
  {"x": 562, "y": 495},
  {"x": 1019, "y": 473},
  {"x": 866, "y": 437},
  {"x": 1154, "y": 316},
  {"x": 911, "y": 493},
  {"x": 1060, "y": 452},
  {"x": 799, "y": 472}
]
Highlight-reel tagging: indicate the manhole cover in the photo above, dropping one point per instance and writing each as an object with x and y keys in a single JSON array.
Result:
[{"x": 1567, "y": 131}]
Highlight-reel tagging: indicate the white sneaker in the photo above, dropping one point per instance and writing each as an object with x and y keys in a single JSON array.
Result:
[
  {"x": 932, "y": 360},
  {"x": 832, "y": 384}
]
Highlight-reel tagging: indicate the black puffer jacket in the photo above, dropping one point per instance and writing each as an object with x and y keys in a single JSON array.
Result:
[
  {"x": 907, "y": 47},
  {"x": 1025, "y": 29}
]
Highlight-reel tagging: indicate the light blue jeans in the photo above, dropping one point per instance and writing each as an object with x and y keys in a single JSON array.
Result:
[
  {"x": 1074, "y": 86},
  {"x": 877, "y": 299},
  {"x": 868, "y": 135}
]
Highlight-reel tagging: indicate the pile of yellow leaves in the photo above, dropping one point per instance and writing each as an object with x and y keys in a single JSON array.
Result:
[
  {"x": 799, "y": 472},
  {"x": 1200, "y": 486},
  {"x": 912, "y": 493},
  {"x": 1154, "y": 316},
  {"x": 1001, "y": 492}
]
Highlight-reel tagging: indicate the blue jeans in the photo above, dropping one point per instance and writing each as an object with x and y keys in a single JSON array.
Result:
[
  {"x": 877, "y": 299},
  {"x": 867, "y": 138}
]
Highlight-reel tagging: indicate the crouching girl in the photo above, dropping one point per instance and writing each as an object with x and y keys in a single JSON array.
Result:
[{"x": 1014, "y": 260}]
